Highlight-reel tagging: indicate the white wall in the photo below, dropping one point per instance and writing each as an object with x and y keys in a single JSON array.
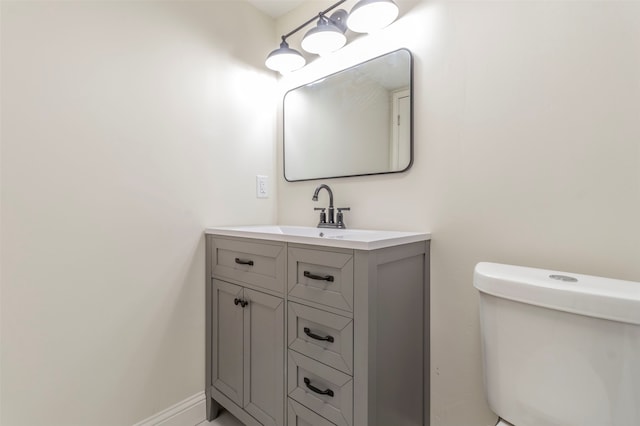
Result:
[
  {"x": 127, "y": 128},
  {"x": 527, "y": 144}
]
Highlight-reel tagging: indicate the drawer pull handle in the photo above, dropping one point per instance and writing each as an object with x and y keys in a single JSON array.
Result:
[
  {"x": 307, "y": 382},
  {"x": 318, "y": 277},
  {"x": 244, "y": 262},
  {"x": 308, "y": 332},
  {"x": 241, "y": 302}
]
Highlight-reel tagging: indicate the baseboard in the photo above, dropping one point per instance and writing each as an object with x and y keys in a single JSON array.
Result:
[{"x": 190, "y": 412}]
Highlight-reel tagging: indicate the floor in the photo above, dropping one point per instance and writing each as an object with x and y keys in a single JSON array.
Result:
[{"x": 224, "y": 419}]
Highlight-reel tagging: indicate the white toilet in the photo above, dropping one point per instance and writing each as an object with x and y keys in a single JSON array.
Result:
[{"x": 559, "y": 349}]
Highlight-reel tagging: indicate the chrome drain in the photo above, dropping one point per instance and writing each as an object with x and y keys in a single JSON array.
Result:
[{"x": 565, "y": 278}]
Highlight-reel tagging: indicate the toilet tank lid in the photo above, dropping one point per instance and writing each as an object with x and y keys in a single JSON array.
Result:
[{"x": 606, "y": 298}]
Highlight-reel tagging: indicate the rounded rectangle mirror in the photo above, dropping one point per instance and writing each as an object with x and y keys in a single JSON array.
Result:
[{"x": 352, "y": 123}]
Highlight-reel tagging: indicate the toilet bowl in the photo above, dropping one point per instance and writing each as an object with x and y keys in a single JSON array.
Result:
[{"x": 559, "y": 349}]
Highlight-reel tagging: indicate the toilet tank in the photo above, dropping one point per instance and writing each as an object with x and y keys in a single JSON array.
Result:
[{"x": 558, "y": 348}]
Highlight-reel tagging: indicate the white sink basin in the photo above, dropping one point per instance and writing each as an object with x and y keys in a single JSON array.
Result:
[{"x": 347, "y": 238}]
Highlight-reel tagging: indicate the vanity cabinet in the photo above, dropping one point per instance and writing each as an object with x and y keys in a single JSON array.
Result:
[{"x": 317, "y": 335}]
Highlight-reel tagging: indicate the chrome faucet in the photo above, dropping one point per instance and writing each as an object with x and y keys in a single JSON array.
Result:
[{"x": 331, "y": 222}]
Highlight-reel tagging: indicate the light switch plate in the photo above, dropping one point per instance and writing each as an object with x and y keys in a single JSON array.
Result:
[{"x": 262, "y": 186}]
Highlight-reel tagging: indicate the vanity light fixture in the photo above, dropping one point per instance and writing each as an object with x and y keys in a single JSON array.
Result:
[{"x": 328, "y": 35}]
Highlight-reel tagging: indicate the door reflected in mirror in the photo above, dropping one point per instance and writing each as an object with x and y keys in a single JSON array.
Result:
[{"x": 351, "y": 123}]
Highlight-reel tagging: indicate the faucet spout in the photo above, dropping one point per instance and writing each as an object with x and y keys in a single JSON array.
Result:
[{"x": 317, "y": 191}]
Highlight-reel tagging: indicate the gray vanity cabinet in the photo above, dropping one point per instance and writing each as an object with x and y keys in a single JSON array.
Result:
[{"x": 328, "y": 336}]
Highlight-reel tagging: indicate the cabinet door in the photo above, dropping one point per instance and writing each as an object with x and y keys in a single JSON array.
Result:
[
  {"x": 264, "y": 358},
  {"x": 228, "y": 325}
]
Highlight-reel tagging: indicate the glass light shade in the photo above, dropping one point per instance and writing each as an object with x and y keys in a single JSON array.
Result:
[
  {"x": 371, "y": 15},
  {"x": 323, "y": 38},
  {"x": 285, "y": 59}
]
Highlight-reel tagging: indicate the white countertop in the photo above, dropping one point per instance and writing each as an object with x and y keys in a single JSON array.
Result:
[{"x": 360, "y": 239}]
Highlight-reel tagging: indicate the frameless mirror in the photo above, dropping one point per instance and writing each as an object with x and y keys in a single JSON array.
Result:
[{"x": 352, "y": 123}]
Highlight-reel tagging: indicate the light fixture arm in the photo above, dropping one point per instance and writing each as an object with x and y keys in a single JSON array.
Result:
[{"x": 320, "y": 14}]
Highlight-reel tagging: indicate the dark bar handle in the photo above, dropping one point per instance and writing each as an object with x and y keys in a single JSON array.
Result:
[
  {"x": 318, "y": 277},
  {"x": 307, "y": 382},
  {"x": 308, "y": 332},
  {"x": 244, "y": 262}
]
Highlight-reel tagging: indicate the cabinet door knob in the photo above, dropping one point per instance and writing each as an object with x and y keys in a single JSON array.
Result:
[
  {"x": 307, "y": 382},
  {"x": 308, "y": 332},
  {"x": 241, "y": 302},
  {"x": 318, "y": 277}
]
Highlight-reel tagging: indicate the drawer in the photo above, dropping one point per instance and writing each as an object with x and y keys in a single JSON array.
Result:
[
  {"x": 321, "y": 335},
  {"x": 248, "y": 261},
  {"x": 323, "y": 389},
  {"x": 323, "y": 277},
  {"x": 299, "y": 415}
]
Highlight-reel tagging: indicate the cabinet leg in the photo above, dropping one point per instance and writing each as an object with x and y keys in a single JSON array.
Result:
[{"x": 213, "y": 409}]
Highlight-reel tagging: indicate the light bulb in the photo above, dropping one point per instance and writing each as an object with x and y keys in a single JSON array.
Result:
[{"x": 371, "y": 15}]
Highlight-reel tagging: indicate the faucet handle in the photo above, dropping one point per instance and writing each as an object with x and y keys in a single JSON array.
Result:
[
  {"x": 340, "y": 217},
  {"x": 323, "y": 214}
]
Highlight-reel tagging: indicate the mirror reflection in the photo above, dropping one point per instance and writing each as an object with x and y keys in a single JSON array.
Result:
[{"x": 355, "y": 122}]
